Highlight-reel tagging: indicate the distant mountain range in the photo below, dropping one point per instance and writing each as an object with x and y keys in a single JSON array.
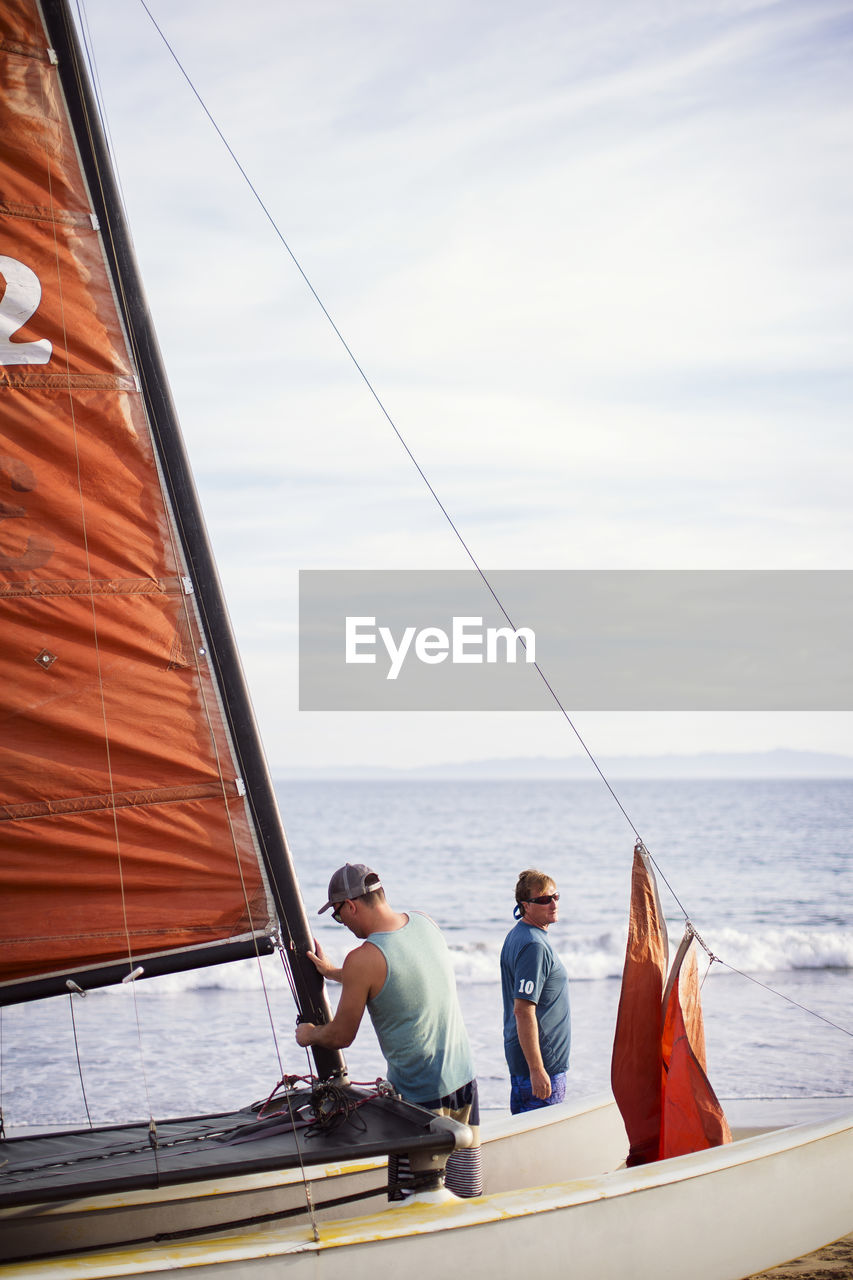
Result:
[{"x": 780, "y": 763}]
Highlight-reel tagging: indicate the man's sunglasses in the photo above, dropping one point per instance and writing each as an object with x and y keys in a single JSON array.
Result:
[
  {"x": 336, "y": 913},
  {"x": 544, "y": 899}
]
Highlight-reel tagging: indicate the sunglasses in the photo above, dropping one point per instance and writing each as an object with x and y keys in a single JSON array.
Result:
[
  {"x": 336, "y": 913},
  {"x": 544, "y": 899}
]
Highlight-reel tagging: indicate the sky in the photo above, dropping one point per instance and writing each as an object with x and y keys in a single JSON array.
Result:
[{"x": 594, "y": 258}]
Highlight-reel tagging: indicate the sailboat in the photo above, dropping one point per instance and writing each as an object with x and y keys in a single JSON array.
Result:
[{"x": 140, "y": 835}]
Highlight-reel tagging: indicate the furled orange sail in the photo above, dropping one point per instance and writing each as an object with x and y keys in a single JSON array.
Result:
[
  {"x": 658, "y": 1070},
  {"x": 691, "y": 1116},
  {"x": 123, "y": 828},
  {"x": 635, "y": 1072}
]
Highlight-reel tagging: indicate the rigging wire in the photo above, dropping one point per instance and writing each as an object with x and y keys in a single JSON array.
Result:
[
  {"x": 386, "y": 414},
  {"x": 837, "y": 1025},
  {"x": 449, "y": 519},
  {"x": 97, "y": 648},
  {"x": 88, "y": 45},
  {"x": 306, "y": 1184},
  {"x": 77, "y": 1052},
  {"x": 193, "y": 622},
  {"x": 152, "y": 1135},
  {"x": 2, "y": 1126}
]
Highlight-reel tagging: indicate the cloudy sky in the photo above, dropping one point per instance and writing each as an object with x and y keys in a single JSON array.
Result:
[{"x": 594, "y": 257}]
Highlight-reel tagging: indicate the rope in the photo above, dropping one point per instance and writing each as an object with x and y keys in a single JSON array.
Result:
[
  {"x": 71, "y": 995},
  {"x": 385, "y": 413},
  {"x": 288, "y": 1082},
  {"x": 846, "y": 1031},
  {"x": 153, "y": 1140},
  {"x": 714, "y": 959},
  {"x": 441, "y": 506},
  {"x": 188, "y": 606},
  {"x": 694, "y": 933},
  {"x": 97, "y": 646}
]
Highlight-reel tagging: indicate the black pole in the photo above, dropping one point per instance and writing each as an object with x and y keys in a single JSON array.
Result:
[{"x": 224, "y": 657}]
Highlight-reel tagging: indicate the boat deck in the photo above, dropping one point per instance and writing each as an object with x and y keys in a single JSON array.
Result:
[{"x": 87, "y": 1162}]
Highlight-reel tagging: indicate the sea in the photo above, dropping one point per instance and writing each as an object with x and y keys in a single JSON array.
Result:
[{"x": 762, "y": 868}]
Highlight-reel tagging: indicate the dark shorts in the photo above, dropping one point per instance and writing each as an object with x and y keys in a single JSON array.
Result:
[
  {"x": 463, "y": 1174},
  {"x": 462, "y": 1105},
  {"x": 521, "y": 1093}
]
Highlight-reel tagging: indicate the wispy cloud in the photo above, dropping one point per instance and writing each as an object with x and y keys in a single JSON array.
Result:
[{"x": 596, "y": 259}]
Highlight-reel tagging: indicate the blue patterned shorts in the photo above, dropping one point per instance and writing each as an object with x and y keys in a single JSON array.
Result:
[{"x": 521, "y": 1093}]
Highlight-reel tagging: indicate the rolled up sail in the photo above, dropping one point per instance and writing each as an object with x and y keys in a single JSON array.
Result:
[
  {"x": 635, "y": 1071},
  {"x": 691, "y": 1116},
  {"x": 658, "y": 1068}
]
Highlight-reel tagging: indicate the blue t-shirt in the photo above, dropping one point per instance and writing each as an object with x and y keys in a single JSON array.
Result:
[{"x": 532, "y": 970}]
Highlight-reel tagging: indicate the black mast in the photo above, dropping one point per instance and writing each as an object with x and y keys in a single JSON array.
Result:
[{"x": 225, "y": 660}]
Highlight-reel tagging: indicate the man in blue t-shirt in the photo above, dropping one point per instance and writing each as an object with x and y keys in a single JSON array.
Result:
[{"x": 537, "y": 1023}]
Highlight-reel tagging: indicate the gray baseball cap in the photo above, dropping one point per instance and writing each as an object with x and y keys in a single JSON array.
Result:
[{"x": 348, "y": 882}]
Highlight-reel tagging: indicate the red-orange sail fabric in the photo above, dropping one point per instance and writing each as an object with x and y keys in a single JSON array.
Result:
[
  {"x": 635, "y": 1072},
  {"x": 691, "y": 1116},
  {"x": 658, "y": 1070},
  {"x": 123, "y": 830}
]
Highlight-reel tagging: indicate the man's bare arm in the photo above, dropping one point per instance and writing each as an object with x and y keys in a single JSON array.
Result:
[
  {"x": 528, "y": 1038},
  {"x": 362, "y": 975}
]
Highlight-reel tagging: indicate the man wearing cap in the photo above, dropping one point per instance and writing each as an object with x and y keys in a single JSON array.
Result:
[{"x": 403, "y": 976}]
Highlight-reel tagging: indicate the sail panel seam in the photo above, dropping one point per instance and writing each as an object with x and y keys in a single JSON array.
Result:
[
  {"x": 116, "y": 800},
  {"x": 42, "y": 213},
  {"x": 34, "y": 51},
  {"x": 65, "y": 381},
  {"x": 96, "y": 586},
  {"x": 108, "y": 935}
]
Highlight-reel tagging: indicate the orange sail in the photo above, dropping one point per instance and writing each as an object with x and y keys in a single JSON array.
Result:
[
  {"x": 124, "y": 832},
  {"x": 635, "y": 1071},
  {"x": 692, "y": 1118},
  {"x": 658, "y": 1071}
]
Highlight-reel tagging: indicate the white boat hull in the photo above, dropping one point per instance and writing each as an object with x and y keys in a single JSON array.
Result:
[
  {"x": 584, "y": 1138},
  {"x": 715, "y": 1215}
]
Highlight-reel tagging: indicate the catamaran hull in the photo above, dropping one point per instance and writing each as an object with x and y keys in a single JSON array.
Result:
[
  {"x": 548, "y": 1145},
  {"x": 717, "y": 1215}
]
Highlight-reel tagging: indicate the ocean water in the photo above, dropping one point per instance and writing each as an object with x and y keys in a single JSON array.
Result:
[{"x": 763, "y": 868}]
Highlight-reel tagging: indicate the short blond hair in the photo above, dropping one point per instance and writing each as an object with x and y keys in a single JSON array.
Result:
[{"x": 530, "y": 885}]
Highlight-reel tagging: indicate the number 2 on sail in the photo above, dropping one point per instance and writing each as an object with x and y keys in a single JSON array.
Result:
[{"x": 18, "y": 303}]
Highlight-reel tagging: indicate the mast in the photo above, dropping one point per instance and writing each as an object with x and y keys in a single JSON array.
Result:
[{"x": 222, "y": 650}]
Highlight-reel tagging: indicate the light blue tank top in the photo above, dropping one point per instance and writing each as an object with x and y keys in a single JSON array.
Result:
[{"x": 416, "y": 1015}]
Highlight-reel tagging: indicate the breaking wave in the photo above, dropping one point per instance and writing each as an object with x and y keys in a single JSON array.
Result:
[
  {"x": 764, "y": 950},
  {"x": 588, "y": 959}
]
